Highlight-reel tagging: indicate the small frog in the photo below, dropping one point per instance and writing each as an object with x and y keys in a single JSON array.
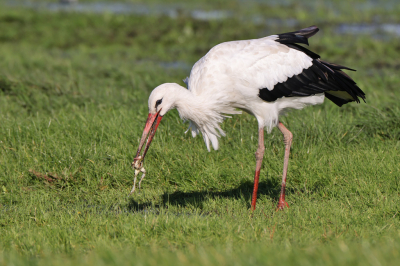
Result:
[{"x": 137, "y": 165}]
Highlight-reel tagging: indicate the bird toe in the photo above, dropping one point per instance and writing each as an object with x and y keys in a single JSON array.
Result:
[{"x": 282, "y": 204}]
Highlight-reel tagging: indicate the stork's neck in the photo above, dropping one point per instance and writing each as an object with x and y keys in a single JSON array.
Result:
[
  {"x": 202, "y": 109},
  {"x": 206, "y": 113},
  {"x": 187, "y": 104}
]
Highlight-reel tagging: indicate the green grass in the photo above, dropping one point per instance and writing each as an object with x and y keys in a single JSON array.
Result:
[{"x": 73, "y": 101}]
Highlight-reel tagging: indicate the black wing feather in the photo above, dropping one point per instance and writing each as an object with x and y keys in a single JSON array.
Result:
[{"x": 320, "y": 77}]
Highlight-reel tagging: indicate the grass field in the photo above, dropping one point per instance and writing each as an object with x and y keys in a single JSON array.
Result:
[{"x": 73, "y": 102}]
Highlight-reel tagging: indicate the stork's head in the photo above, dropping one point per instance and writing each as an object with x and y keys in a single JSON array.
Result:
[{"x": 161, "y": 100}]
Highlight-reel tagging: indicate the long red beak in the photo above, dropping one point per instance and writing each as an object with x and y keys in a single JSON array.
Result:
[{"x": 153, "y": 120}]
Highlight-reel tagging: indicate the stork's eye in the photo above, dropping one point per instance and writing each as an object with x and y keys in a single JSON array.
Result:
[{"x": 158, "y": 102}]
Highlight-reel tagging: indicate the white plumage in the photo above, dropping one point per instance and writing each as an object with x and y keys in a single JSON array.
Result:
[
  {"x": 229, "y": 77},
  {"x": 264, "y": 77}
]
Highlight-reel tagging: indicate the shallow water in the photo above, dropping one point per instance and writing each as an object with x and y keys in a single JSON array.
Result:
[
  {"x": 170, "y": 10},
  {"x": 381, "y": 31},
  {"x": 173, "y": 10},
  {"x": 375, "y": 30},
  {"x": 175, "y": 65}
]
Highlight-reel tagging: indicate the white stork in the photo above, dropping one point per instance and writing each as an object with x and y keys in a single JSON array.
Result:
[{"x": 264, "y": 77}]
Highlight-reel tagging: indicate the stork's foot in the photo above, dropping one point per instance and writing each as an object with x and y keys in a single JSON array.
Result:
[{"x": 282, "y": 204}]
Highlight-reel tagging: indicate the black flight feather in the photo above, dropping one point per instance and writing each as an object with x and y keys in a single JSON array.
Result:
[{"x": 320, "y": 77}]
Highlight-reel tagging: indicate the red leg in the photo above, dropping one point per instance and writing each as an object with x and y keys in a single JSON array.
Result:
[
  {"x": 287, "y": 137},
  {"x": 259, "y": 157}
]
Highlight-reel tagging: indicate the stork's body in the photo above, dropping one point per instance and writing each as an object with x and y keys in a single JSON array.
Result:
[{"x": 265, "y": 77}]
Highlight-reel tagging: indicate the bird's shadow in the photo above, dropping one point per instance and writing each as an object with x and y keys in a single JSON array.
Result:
[{"x": 269, "y": 188}]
